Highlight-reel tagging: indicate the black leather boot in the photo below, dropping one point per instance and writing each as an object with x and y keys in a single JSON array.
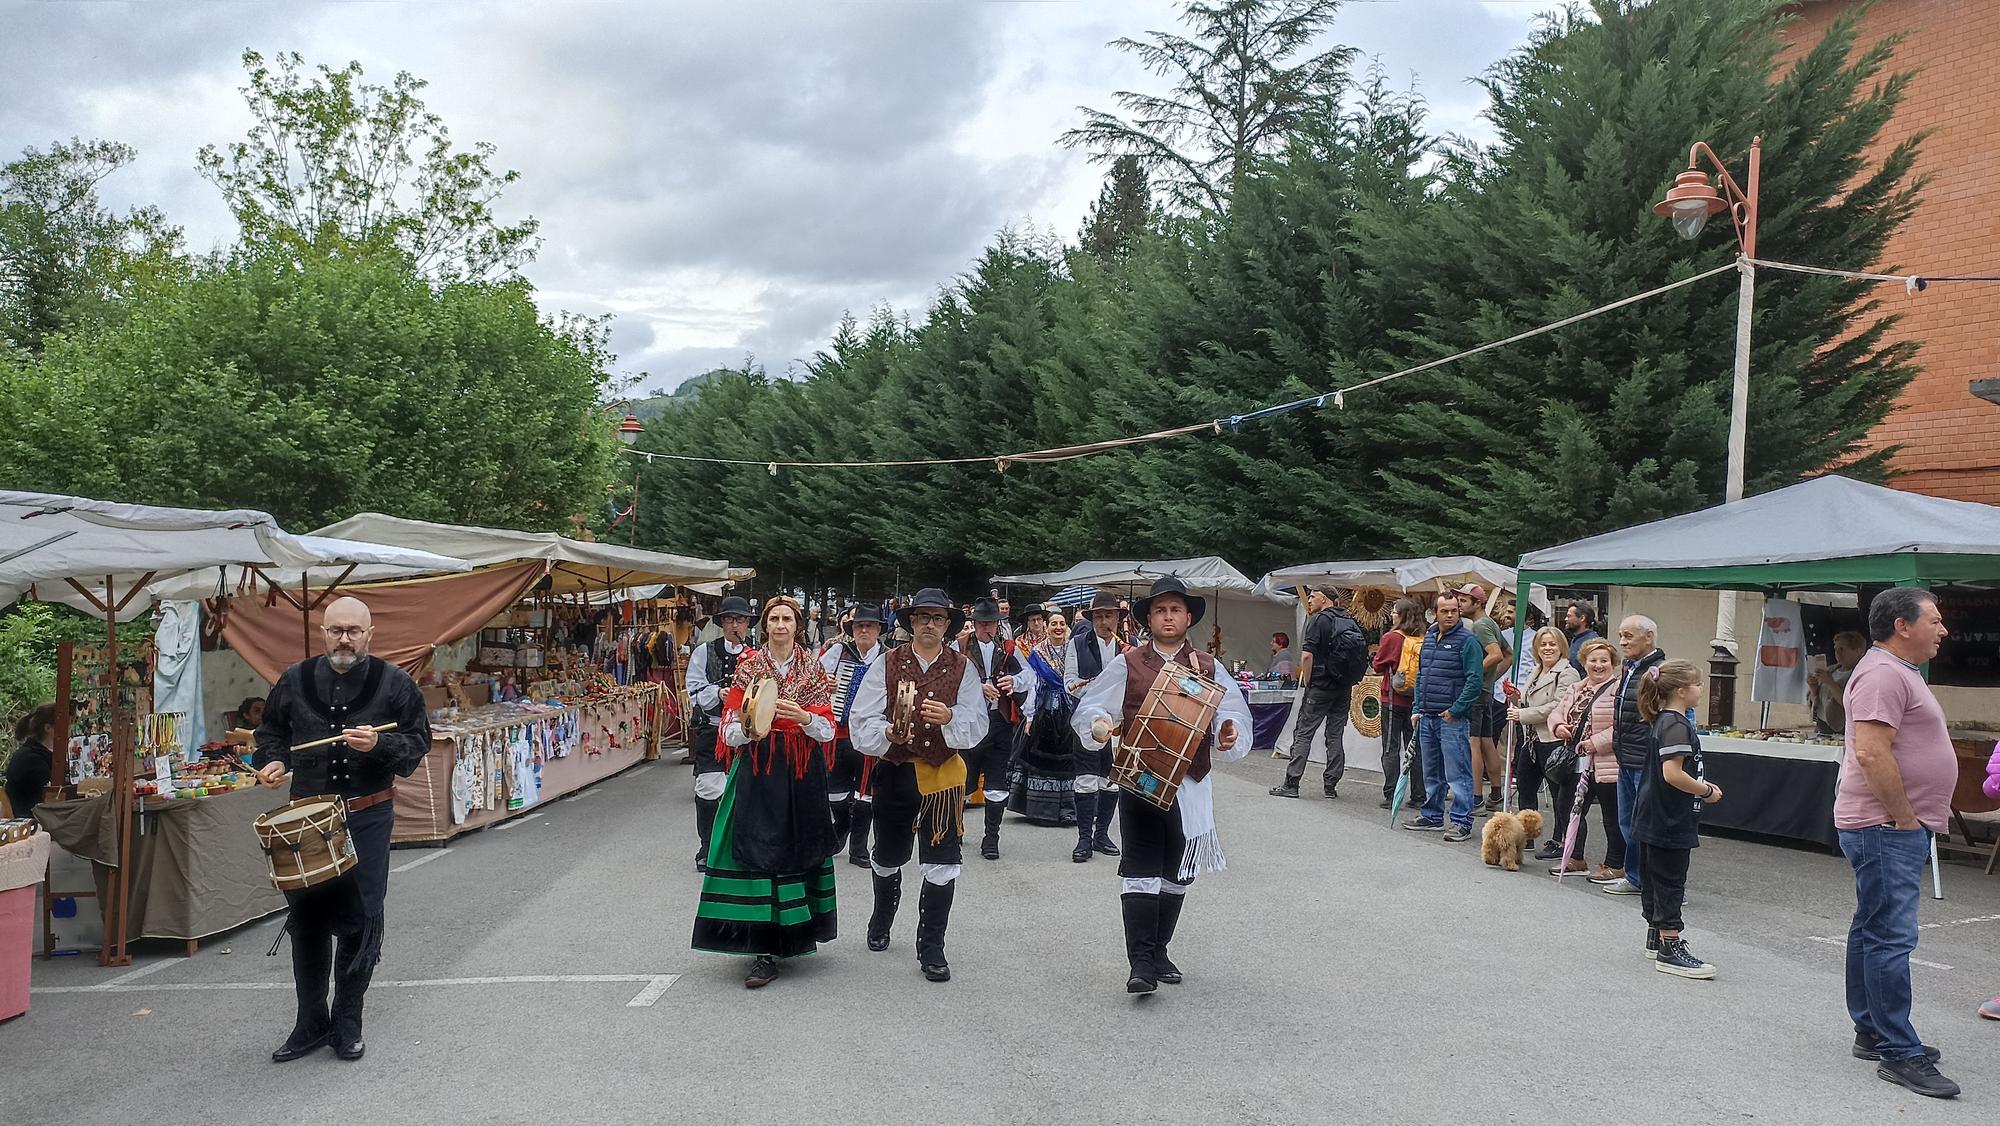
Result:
[
  {"x": 704, "y": 827},
  {"x": 1086, "y": 809},
  {"x": 1164, "y": 969},
  {"x": 933, "y": 915},
  {"x": 843, "y": 818},
  {"x": 312, "y": 962},
  {"x": 1142, "y": 931},
  {"x": 989, "y": 845},
  {"x": 857, "y": 839},
  {"x": 1107, "y": 812},
  {"x": 888, "y": 896},
  {"x": 350, "y": 984}
]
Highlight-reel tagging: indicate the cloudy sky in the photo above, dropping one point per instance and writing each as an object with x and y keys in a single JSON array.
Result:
[{"x": 727, "y": 178}]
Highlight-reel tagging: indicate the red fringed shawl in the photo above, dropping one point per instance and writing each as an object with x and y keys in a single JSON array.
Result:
[{"x": 805, "y": 684}]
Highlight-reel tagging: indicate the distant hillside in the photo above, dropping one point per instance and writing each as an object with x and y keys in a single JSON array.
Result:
[{"x": 657, "y": 404}]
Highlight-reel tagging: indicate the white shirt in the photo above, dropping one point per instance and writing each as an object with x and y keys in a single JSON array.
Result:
[
  {"x": 706, "y": 694},
  {"x": 817, "y": 727},
  {"x": 868, "y": 723},
  {"x": 1106, "y": 697}
]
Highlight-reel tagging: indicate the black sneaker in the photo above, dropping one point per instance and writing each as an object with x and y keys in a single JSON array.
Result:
[
  {"x": 763, "y": 972},
  {"x": 1423, "y": 825},
  {"x": 1675, "y": 958},
  {"x": 1865, "y": 1047},
  {"x": 1550, "y": 850},
  {"x": 1919, "y": 1075},
  {"x": 1457, "y": 833},
  {"x": 1652, "y": 943},
  {"x": 1386, "y": 803},
  {"x": 1332, "y": 793},
  {"x": 1284, "y": 791}
]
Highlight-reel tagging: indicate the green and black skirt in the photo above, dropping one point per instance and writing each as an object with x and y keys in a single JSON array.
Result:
[{"x": 769, "y": 888}]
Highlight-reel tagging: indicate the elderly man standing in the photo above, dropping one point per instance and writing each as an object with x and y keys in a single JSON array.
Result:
[
  {"x": 336, "y": 927},
  {"x": 1896, "y": 780},
  {"x": 1632, "y": 739}
]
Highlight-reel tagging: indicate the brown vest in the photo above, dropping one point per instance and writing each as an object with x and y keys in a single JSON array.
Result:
[
  {"x": 941, "y": 683},
  {"x": 1142, "y": 667}
]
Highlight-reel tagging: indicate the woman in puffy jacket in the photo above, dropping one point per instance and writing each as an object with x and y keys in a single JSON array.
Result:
[
  {"x": 1540, "y": 697},
  {"x": 1586, "y": 717}
]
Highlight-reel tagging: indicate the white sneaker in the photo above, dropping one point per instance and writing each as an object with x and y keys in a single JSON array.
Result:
[{"x": 1622, "y": 887}]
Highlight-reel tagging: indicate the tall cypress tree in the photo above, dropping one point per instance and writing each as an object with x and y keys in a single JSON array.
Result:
[{"x": 1624, "y": 418}]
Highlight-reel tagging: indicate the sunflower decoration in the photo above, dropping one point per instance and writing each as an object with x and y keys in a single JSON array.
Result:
[{"x": 1369, "y": 607}]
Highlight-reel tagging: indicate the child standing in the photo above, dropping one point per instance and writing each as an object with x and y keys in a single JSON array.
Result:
[{"x": 1668, "y": 812}]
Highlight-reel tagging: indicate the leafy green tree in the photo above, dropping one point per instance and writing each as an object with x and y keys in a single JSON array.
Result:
[
  {"x": 64, "y": 258},
  {"x": 1623, "y": 418},
  {"x": 1242, "y": 82},
  {"x": 321, "y": 387},
  {"x": 1122, "y": 213},
  {"x": 335, "y": 162}
]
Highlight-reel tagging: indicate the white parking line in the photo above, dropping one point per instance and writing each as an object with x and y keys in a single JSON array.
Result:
[
  {"x": 1841, "y": 942},
  {"x": 424, "y": 859},
  {"x": 638, "y": 770},
  {"x": 656, "y": 984},
  {"x": 1959, "y": 922},
  {"x": 516, "y": 823},
  {"x": 142, "y": 971}
]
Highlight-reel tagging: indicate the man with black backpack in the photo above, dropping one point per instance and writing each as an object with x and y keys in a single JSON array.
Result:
[{"x": 1333, "y": 661}]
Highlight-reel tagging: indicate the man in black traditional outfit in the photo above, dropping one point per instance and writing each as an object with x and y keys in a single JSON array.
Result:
[
  {"x": 711, "y": 670},
  {"x": 1003, "y": 681},
  {"x": 336, "y": 927}
]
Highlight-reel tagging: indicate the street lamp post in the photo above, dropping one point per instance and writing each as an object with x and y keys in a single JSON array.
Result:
[
  {"x": 1689, "y": 205},
  {"x": 628, "y": 435}
]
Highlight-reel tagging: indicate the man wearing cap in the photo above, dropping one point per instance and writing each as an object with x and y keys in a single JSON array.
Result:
[
  {"x": 1004, "y": 681},
  {"x": 1489, "y": 718},
  {"x": 919, "y": 785},
  {"x": 1096, "y": 798},
  {"x": 1164, "y": 848},
  {"x": 711, "y": 670},
  {"x": 847, "y": 784},
  {"x": 1329, "y": 635}
]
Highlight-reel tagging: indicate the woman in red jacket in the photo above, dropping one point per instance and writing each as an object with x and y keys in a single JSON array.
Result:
[{"x": 1399, "y": 732}]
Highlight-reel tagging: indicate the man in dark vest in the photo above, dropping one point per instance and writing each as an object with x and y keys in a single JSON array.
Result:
[
  {"x": 847, "y": 784},
  {"x": 1096, "y": 798},
  {"x": 1003, "y": 681},
  {"x": 920, "y": 781},
  {"x": 336, "y": 927},
  {"x": 1164, "y": 848},
  {"x": 711, "y": 670}
]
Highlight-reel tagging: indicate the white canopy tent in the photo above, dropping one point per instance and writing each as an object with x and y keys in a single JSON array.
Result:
[
  {"x": 1431, "y": 574},
  {"x": 573, "y": 565},
  {"x": 1247, "y": 617}
]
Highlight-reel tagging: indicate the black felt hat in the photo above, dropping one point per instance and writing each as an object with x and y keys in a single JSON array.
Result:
[
  {"x": 1197, "y": 606},
  {"x": 931, "y": 598}
]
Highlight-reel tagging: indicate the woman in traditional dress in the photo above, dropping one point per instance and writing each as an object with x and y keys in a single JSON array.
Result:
[
  {"x": 1045, "y": 774},
  {"x": 768, "y": 892}
]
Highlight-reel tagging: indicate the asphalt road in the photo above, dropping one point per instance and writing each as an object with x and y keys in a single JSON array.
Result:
[{"x": 1339, "y": 971}]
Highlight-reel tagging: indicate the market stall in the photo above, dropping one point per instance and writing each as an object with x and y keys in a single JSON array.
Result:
[
  {"x": 542, "y": 674},
  {"x": 103, "y": 557},
  {"x": 1827, "y": 534}
]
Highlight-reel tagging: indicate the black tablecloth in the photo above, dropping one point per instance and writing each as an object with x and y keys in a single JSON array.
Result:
[{"x": 1777, "y": 797}]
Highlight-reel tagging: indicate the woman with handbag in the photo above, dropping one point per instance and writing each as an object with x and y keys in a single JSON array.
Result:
[
  {"x": 1395, "y": 661},
  {"x": 1545, "y": 755},
  {"x": 1586, "y": 717}
]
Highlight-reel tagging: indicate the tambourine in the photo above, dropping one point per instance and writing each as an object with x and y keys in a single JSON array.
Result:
[
  {"x": 903, "y": 714},
  {"x": 760, "y": 707}
]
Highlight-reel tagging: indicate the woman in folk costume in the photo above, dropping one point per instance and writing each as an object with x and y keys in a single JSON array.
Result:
[
  {"x": 1164, "y": 848},
  {"x": 1044, "y": 789},
  {"x": 769, "y": 887}
]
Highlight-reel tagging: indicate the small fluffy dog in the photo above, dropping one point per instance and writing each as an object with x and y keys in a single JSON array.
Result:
[{"x": 1505, "y": 835}]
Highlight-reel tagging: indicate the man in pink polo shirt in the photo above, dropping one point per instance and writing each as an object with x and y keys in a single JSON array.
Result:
[{"x": 1896, "y": 780}]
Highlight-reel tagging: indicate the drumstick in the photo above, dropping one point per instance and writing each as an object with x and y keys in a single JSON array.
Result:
[{"x": 378, "y": 729}]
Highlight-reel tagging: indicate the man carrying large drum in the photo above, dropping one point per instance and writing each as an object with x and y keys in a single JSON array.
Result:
[
  {"x": 340, "y": 727},
  {"x": 1179, "y": 714}
]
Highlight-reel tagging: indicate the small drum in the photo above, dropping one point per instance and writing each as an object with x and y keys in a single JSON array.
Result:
[
  {"x": 903, "y": 714},
  {"x": 306, "y": 842},
  {"x": 1152, "y": 758},
  {"x": 760, "y": 707}
]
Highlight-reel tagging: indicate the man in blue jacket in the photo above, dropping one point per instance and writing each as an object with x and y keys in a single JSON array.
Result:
[{"x": 1448, "y": 685}]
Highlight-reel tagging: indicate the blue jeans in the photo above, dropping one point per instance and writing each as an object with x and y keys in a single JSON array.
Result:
[
  {"x": 1447, "y": 749},
  {"x": 1888, "y": 881},
  {"x": 1628, "y": 800}
]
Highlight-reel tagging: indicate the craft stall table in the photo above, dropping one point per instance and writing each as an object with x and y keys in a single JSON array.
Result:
[
  {"x": 197, "y": 869},
  {"x": 23, "y": 864},
  {"x": 503, "y": 760},
  {"x": 1779, "y": 787},
  {"x": 1270, "y": 711}
]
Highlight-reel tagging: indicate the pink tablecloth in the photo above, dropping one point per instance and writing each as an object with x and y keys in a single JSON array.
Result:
[{"x": 22, "y": 866}]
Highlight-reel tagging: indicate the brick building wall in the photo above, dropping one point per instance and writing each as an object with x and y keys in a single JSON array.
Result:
[{"x": 1950, "y": 438}]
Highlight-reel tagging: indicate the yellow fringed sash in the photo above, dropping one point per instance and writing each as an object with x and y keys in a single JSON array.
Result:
[{"x": 941, "y": 790}]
